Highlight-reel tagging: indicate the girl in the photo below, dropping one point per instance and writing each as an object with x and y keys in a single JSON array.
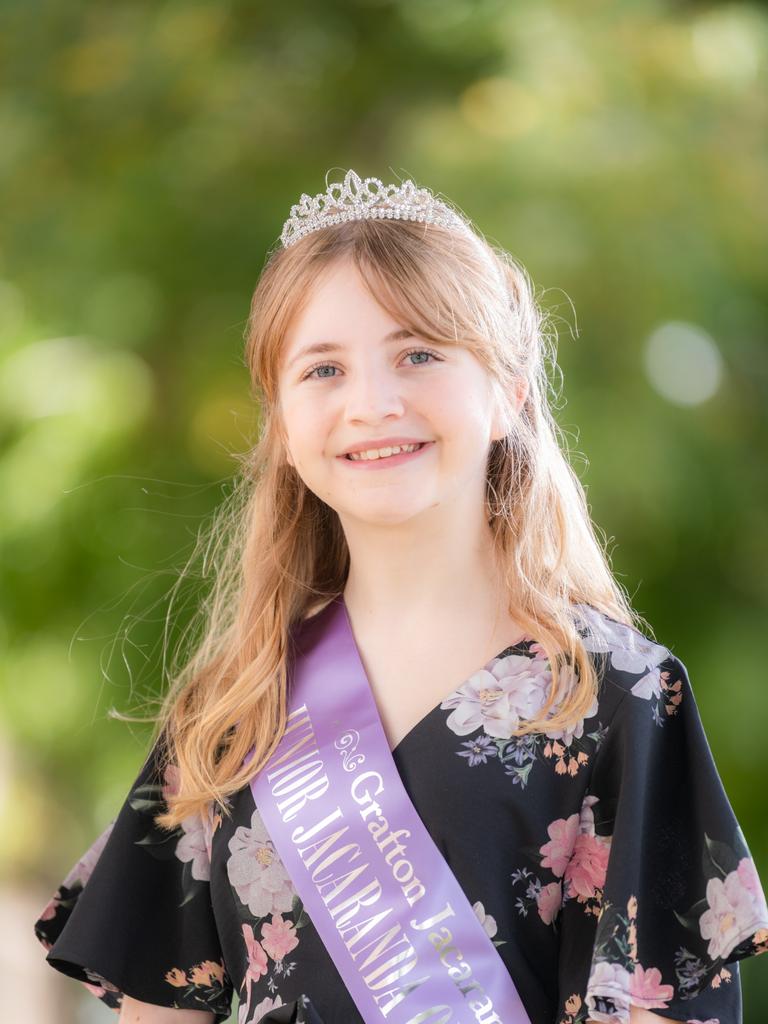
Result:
[{"x": 425, "y": 765}]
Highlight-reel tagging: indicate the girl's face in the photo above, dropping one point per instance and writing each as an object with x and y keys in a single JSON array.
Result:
[{"x": 374, "y": 383}]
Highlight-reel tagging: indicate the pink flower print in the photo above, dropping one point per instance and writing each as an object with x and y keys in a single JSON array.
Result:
[
  {"x": 257, "y": 958},
  {"x": 171, "y": 778},
  {"x": 557, "y": 852},
  {"x": 50, "y": 908},
  {"x": 549, "y": 901},
  {"x": 96, "y": 990},
  {"x": 255, "y": 871},
  {"x": 83, "y": 870},
  {"x": 588, "y": 865},
  {"x": 192, "y": 847},
  {"x": 736, "y": 909},
  {"x": 278, "y": 937},
  {"x": 646, "y": 988}
]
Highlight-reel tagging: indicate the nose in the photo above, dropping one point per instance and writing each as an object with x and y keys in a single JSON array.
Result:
[{"x": 372, "y": 396}]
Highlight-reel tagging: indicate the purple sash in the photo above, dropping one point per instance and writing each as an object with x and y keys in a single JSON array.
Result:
[{"x": 394, "y": 919}]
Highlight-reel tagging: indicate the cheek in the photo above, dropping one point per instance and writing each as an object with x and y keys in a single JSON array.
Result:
[
  {"x": 465, "y": 409},
  {"x": 304, "y": 423}
]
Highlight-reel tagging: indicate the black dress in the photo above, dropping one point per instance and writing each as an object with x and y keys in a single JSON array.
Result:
[{"x": 605, "y": 863}]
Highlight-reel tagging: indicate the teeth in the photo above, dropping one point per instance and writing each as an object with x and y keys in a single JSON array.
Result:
[{"x": 383, "y": 453}]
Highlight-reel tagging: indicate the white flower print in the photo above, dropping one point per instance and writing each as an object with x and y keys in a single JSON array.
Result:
[
  {"x": 649, "y": 686},
  {"x": 512, "y": 690},
  {"x": 244, "y": 1011},
  {"x": 736, "y": 909},
  {"x": 256, "y": 872},
  {"x": 629, "y": 650},
  {"x": 488, "y": 922},
  {"x": 574, "y": 731},
  {"x": 192, "y": 846},
  {"x": 496, "y": 699},
  {"x": 266, "y": 1004},
  {"x": 587, "y": 815},
  {"x": 642, "y": 987},
  {"x": 610, "y": 981},
  {"x": 83, "y": 870}
]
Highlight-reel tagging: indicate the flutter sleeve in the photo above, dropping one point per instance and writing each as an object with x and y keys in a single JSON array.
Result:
[
  {"x": 133, "y": 915},
  {"x": 681, "y": 902}
]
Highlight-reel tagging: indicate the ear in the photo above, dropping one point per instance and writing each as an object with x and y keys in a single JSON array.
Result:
[
  {"x": 500, "y": 427},
  {"x": 522, "y": 388}
]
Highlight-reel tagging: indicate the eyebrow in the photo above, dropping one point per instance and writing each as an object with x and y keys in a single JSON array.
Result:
[{"x": 323, "y": 347}]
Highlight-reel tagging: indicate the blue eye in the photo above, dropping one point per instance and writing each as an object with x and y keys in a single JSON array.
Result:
[{"x": 411, "y": 352}]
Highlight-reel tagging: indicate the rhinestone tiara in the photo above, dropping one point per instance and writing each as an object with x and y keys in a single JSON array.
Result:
[{"x": 356, "y": 198}]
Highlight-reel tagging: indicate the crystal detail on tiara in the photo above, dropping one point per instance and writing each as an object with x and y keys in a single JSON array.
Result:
[{"x": 356, "y": 198}]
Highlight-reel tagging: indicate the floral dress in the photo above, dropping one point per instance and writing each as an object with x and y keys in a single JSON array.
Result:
[{"x": 604, "y": 862}]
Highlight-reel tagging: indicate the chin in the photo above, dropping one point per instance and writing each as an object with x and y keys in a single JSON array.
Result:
[{"x": 394, "y": 516}]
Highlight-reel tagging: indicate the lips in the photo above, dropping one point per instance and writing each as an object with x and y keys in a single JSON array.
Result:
[
  {"x": 348, "y": 455},
  {"x": 383, "y": 442},
  {"x": 387, "y": 462}
]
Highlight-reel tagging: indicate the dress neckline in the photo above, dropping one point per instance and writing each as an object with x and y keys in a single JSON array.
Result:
[
  {"x": 504, "y": 652},
  {"x": 522, "y": 642}
]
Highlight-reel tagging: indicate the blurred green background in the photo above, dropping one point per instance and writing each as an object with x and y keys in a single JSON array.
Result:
[{"x": 149, "y": 154}]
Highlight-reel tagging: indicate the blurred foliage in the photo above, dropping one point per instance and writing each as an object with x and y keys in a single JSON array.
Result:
[{"x": 150, "y": 153}]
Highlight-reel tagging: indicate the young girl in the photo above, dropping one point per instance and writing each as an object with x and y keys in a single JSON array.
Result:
[{"x": 426, "y": 765}]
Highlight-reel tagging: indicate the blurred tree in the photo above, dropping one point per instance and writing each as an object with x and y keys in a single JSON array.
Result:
[{"x": 150, "y": 155}]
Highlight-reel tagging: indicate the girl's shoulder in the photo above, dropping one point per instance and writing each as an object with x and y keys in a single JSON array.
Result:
[{"x": 630, "y": 663}]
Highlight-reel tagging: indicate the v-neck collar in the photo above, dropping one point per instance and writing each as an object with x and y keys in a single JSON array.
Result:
[{"x": 523, "y": 642}]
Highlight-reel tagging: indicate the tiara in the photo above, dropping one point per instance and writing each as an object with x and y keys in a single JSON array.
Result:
[{"x": 356, "y": 198}]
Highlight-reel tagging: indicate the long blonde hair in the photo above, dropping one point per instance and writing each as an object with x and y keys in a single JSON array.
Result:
[{"x": 276, "y": 552}]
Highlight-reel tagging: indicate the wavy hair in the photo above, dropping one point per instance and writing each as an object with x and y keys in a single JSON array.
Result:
[{"x": 276, "y": 553}]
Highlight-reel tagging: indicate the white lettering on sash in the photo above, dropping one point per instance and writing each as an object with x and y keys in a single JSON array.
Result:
[
  {"x": 364, "y": 897},
  {"x": 396, "y": 995},
  {"x": 432, "y": 921},
  {"x": 380, "y": 946},
  {"x": 360, "y": 928},
  {"x": 480, "y": 1008},
  {"x": 402, "y": 869},
  {"x": 296, "y": 777},
  {"x": 322, "y": 846},
  {"x": 291, "y": 776},
  {"x": 293, "y": 722},
  {"x": 407, "y": 957},
  {"x": 429, "y": 1015},
  {"x": 442, "y": 940},
  {"x": 299, "y": 835},
  {"x": 339, "y": 883}
]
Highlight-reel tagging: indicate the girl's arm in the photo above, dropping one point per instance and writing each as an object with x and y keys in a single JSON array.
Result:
[{"x": 133, "y": 1011}]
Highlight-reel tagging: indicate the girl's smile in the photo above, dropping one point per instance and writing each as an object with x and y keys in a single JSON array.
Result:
[{"x": 387, "y": 461}]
